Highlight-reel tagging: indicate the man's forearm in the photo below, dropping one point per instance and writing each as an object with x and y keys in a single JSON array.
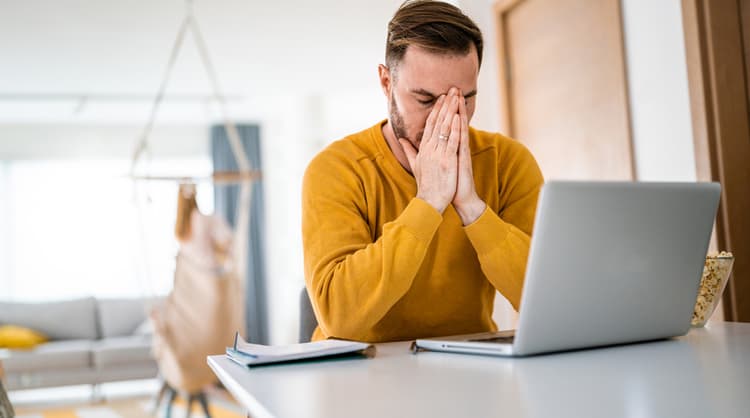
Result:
[
  {"x": 502, "y": 250},
  {"x": 353, "y": 290}
]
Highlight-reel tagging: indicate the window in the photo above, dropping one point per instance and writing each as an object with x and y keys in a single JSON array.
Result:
[{"x": 72, "y": 228}]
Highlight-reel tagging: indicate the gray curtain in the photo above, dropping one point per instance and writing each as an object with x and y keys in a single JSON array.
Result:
[{"x": 225, "y": 201}]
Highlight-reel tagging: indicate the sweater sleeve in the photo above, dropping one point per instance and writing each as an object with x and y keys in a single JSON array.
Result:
[
  {"x": 502, "y": 239},
  {"x": 353, "y": 279}
]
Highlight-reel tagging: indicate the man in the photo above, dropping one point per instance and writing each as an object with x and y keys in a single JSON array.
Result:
[{"x": 411, "y": 226}]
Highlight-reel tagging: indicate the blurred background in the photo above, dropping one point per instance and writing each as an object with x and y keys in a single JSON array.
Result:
[
  {"x": 77, "y": 82},
  {"x": 597, "y": 89}
]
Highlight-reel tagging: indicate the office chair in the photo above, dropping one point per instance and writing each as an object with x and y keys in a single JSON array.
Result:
[{"x": 307, "y": 320}]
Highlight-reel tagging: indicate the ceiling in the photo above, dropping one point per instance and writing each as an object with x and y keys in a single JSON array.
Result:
[{"x": 102, "y": 61}]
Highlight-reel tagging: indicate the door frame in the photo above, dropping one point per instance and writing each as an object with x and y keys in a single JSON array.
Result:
[
  {"x": 500, "y": 8},
  {"x": 720, "y": 108}
]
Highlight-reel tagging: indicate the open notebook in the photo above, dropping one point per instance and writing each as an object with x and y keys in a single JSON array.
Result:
[{"x": 250, "y": 355}]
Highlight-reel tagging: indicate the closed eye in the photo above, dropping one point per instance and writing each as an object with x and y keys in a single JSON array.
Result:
[{"x": 431, "y": 101}]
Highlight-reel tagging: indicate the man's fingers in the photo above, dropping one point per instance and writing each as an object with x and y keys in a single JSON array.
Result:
[
  {"x": 462, "y": 108},
  {"x": 454, "y": 139},
  {"x": 445, "y": 117},
  {"x": 463, "y": 148},
  {"x": 432, "y": 119},
  {"x": 444, "y": 129},
  {"x": 410, "y": 151}
]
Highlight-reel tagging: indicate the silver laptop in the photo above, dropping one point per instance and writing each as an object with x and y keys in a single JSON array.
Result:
[{"x": 610, "y": 263}]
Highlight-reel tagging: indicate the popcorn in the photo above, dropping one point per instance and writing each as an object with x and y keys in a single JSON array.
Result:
[{"x": 715, "y": 274}]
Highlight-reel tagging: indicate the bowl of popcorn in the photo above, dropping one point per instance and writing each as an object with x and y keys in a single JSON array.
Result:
[{"x": 715, "y": 277}]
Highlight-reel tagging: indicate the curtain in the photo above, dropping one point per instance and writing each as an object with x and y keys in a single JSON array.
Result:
[{"x": 225, "y": 204}]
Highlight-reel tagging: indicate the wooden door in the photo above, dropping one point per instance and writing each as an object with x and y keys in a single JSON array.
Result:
[
  {"x": 717, "y": 45},
  {"x": 563, "y": 86}
]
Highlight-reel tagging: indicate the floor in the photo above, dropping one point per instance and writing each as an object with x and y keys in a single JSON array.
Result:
[{"x": 114, "y": 400}]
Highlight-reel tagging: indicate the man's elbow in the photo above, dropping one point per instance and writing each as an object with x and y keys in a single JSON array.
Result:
[{"x": 340, "y": 325}]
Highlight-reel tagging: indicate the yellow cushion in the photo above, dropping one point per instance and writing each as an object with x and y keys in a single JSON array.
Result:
[{"x": 13, "y": 336}]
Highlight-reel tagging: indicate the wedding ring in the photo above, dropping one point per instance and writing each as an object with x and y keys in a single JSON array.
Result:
[{"x": 443, "y": 137}]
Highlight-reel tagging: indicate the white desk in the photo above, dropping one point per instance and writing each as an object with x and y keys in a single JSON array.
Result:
[{"x": 705, "y": 374}]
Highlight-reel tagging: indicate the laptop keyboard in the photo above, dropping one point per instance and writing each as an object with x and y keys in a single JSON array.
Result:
[{"x": 500, "y": 339}]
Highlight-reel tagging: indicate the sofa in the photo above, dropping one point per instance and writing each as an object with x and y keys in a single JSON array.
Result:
[{"x": 91, "y": 341}]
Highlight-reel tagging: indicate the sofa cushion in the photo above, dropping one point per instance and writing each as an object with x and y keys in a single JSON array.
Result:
[
  {"x": 13, "y": 336},
  {"x": 121, "y": 317},
  {"x": 121, "y": 350},
  {"x": 71, "y": 354},
  {"x": 64, "y": 320}
]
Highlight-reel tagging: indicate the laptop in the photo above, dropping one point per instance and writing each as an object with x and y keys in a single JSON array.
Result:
[{"x": 610, "y": 263}]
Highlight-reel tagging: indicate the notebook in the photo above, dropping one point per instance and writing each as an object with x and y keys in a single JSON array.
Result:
[
  {"x": 609, "y": 263},
  {"x": 249, "y": 355}
]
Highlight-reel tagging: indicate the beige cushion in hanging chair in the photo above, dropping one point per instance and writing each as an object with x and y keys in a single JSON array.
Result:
[{"x": 204, "y": 310}]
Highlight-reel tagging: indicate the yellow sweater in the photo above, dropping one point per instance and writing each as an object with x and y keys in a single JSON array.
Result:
[{"x": 382, "y": 265}]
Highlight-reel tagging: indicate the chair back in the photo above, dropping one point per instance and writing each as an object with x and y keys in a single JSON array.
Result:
[{"x": 307, "y": 320}]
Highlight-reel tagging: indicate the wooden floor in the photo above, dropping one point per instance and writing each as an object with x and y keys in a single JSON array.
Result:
[{"x": 220, "y": 405}]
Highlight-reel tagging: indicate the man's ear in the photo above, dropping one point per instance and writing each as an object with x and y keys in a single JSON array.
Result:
[{"x": 386, "y": 82}]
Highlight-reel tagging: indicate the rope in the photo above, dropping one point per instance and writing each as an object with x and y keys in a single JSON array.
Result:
[
  {"x": 238, "y": 151},
  {"x": 245, "y": 197},
  {"x": 142, "y": 145},
  {"x": 234, "y": 137}
]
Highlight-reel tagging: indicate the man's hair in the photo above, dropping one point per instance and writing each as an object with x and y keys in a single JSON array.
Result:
[{"x": 436, "y": 26}]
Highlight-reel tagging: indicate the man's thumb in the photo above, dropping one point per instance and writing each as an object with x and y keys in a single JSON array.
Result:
[{"x": 410, "y": 151}]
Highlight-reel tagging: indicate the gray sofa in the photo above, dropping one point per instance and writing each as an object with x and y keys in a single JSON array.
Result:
[{"x": 92, "y": 341}]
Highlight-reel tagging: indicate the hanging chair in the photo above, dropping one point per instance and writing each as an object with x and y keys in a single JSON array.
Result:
[
  {"x": 204, "y": 310},
  {"x": 206, "y": 306}
]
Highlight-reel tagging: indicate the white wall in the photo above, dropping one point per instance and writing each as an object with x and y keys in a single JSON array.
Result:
[
  {"x": 102, "y": 141},
  {"x": 6, "y": 260},
  {"x": 487, "y": 114},
  {"x": 658, "y": 90}
]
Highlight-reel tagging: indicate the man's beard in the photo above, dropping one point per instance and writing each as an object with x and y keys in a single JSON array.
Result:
[{"x": 399, "y": 127}]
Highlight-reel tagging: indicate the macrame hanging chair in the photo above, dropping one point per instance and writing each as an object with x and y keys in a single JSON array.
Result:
[{"x": 206, "y": 305}]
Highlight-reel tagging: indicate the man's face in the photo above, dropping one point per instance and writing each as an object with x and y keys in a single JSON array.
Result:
[{"x": 419, "y": 79}]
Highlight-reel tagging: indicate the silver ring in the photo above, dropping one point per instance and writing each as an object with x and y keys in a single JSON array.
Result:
[{"x": 443, "y": 137}]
